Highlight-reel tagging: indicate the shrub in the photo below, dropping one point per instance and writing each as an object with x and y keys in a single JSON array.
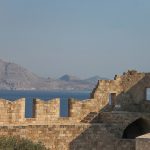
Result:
[{"x": 16, "y": 143}]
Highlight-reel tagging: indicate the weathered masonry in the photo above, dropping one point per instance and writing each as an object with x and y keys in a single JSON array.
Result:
[{"x": 116, "y": 117}]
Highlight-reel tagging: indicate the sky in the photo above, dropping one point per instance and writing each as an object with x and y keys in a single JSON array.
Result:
[{"x": 78, "y": 37}]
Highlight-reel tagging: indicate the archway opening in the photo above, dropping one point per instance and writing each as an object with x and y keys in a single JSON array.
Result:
[{"x": 137, "y": 128}]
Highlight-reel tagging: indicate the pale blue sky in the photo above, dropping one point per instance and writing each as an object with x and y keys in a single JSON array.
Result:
[{"x": 80, "y": 37}]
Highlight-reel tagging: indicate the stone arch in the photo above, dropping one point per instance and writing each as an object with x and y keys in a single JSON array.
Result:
[{"x": 138, "y": 127}]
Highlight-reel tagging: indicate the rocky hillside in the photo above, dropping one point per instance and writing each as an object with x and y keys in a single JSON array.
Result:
[{"x": 15, "y": 77}]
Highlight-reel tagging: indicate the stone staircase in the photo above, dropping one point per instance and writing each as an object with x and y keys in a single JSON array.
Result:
[{"x": 92, "y": 117}]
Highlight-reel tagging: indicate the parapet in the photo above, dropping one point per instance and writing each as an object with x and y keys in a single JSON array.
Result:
[
  {"x": 119, "y": 106},
  {"x": 78, "y": 109},
  {"x": 125, "y": 93},
  {"x": 12, "y": 111},
  {"x": 46, "y": 110}
]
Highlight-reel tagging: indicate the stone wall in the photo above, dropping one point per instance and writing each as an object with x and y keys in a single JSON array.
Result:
[
  {"x": 143, "y": 142},
  {"x": 67, "y": 137},
  {"x": 92, "y": 124},
  {"x": 103, "y": 90},
  {"x": 119, "y": 121},
  {"x": 78, "y": 110},
  {"x": 12, "y": 111},
  {"x": 128, "y": 95},
  {"x": 130, "y": 91},
  {"x": 124, "y": 118},
  {"x": 126, "y": 145},
  {"x": 45, "y": 111}
]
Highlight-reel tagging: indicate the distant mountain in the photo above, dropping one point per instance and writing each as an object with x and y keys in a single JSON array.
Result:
[
  {"x": 15, "y": 77},
  {"x": 67, "y": 77},
  {"x": 94, "y": 79}
]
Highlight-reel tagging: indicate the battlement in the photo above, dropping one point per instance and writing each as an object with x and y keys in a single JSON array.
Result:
[
  {"x": 126, "y": 92},
  {"x": 12, "y": 111},
  {"x": 44, "y": 112},
  {"x": 117, "y": 110}
]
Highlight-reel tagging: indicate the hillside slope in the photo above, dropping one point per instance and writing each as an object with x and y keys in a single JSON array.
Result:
[{"x": 15, "y": 77}]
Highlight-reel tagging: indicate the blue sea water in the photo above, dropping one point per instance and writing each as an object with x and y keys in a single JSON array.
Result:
[{"x": 45, "y": 95}]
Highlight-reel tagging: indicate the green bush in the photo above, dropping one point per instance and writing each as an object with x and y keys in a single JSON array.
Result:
[{"x": 16, "y": 143}]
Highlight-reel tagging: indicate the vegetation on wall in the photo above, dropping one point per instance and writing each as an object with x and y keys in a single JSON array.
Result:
[{"x": 16, "y": 143}]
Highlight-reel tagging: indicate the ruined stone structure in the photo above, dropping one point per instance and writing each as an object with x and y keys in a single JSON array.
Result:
[{"x": 117, "y": 117}]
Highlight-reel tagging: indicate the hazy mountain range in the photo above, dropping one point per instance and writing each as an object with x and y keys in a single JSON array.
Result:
[{"x": 15, "y": 77}]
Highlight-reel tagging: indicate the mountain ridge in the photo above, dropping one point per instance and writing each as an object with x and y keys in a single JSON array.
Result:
[
  {"x": 68, "y": 77},
  {"x": 16, "y": 77}
]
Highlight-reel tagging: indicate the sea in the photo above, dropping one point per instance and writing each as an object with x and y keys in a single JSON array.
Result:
[{"x": 45, "y": 95}]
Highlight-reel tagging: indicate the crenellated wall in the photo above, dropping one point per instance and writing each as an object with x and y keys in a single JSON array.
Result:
[
  {"x": 12, "y": 111},
  {"x": 103, "y": 90},
  {"x": 129, "y": 90},
  {"x": 78, "y": 109},
  {"x": 116, "y": 109},
  {"x": 44, "y": 111}
]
